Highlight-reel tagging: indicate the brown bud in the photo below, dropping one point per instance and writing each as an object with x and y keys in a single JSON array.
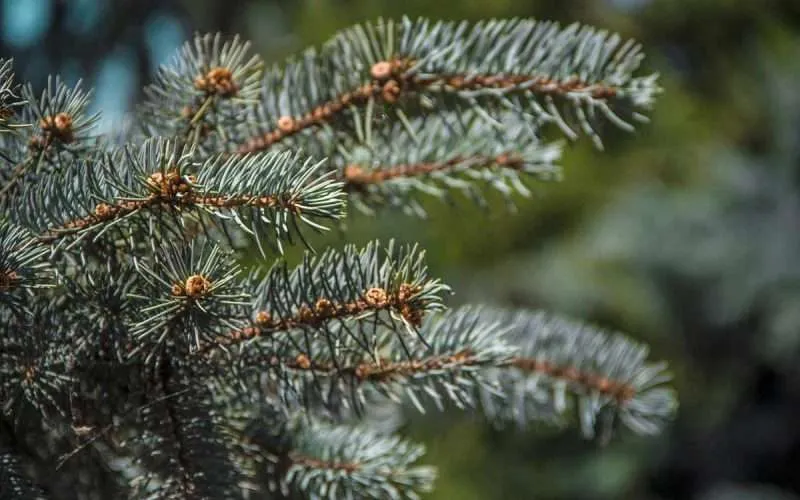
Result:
[
  {"x": 263, "y": 317},
  {"x": 197, "y": 286},
  {"x": 367, "y": 89},
  {"x": 353, "y": 174},
  {"x": 217, "y": 81},
  {"x": 58, "y": 126},
  {"x": 362, "y": 371},
  {"x": 63, "y": 122},
  {"x": 305, "y": 314},
  {"x": 412, "y": 315},
  {"x": 102, "y": 210},
  {"x": 376, "y": 297},
  {"x": 390, "y": 91},
  {"x": 316, "y": 114},
  {"x": 324, "y": 307},
  {"x": 456, "y": 82},
  {"x": 36, "y": 143},
  {"x": 381, "y": 70},
  {"x": 604, "y": 385},
  {"x": 200, "y": 83},
  {"x": 286, "y": 124},
  {"x": 406, "y": 291},
  {"x": 302, "y": 362},
  {"x": 8, "y": 280}
]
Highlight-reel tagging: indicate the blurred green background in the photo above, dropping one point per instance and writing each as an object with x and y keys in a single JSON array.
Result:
[{"x": 686, "y": 234}]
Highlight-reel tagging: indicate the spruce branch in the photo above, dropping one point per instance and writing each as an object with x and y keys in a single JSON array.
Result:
[
  {"x": 573, "y": 76},
  {"x": 60, "y": 129},
  {"x": 514, "y": 366},
  {"x": 205, "y": 90},
  {"x": 153, "y": 366},
  {"x": 296, "y": 454},
  {"x": 440, "y": 155},
  {"x": 98, "y": 303},
  {"x": 14, "y": 482},
  {"x": 334, "y": 462},
  {"x": 449, "y": 364},
  {"x": 186, "y": 456},
  {"x": 23, "y": 267},
  {"x": 189, "y": 295},
  {"x": 9, "y": 98},
  {"x": 349, "y": 292},
  {"x": 607, "y": 374},
  {"x": 34, "y": 365},
  {"x": 267, "y": 195}
]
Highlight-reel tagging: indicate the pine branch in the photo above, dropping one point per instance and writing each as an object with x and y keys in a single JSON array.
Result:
[{"x": 527, "y": 66}]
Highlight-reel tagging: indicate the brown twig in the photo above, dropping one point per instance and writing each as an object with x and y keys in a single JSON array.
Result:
[
  {"x": 389, "y": 82},
  {"x": 620, "y": 391},
  {"x": 386, "y": 370},
  {"x": 355, "y": 175},
  {"x": 315, "y": 463},
  {"x": 170, "y": 191},
  {"x": 374, "y": 299}
]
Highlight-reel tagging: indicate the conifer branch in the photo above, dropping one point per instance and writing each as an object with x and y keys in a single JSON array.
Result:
[
  {"x": 151, "y": 353},
  {"x": 9, "y": 98},
  {"x": 607, "y": 374},
  {"x": 448, "y": 363},
  {"x": 189, "y": 295},
  {"x": 442, "y": 155},
  {"x": 189, "y": 458},
  {"x": 23, "y": 267},
  {"x": 264, "y": 194},
  {"x": 514, "y": 366},
  {"x": 357, "y": 176},
  {"x": 14, "y": 482},
  {"x": 409, "y": 66},
  {"x": 54, "y": 128},
  {"x": 374, "y": 301},
  {"x": 203, "y": 92},
  {"x": 335, "y": 462},
  {"x": 33, "y": 364},
  {"x": 350, "y": 287}
]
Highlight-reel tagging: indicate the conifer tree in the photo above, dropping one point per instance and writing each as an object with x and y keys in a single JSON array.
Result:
[{"x": 139, "y": 358}]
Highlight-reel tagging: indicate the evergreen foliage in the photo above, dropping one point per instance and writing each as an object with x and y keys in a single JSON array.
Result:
[{"x": 139, "y": 359}]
